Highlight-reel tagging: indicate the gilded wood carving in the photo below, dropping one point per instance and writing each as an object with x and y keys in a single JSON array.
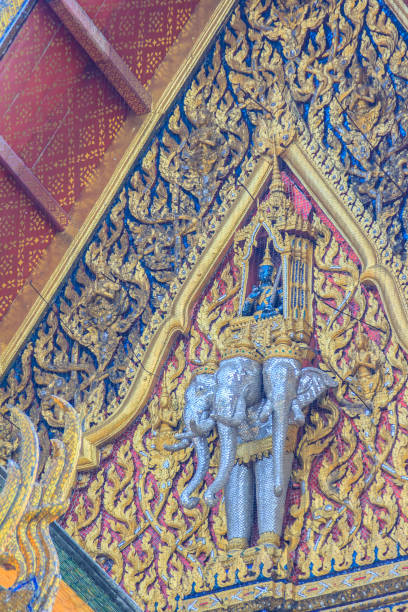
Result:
[
  {"x": 325, "y": 83},
  {"x": 134, "y": 286},
  {"x": 30, "y": 500}
]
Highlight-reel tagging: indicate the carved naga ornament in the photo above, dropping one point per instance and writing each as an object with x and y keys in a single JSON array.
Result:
[
  {"x": 30, "y": 500},
  {"x": 255, "y": 386}
]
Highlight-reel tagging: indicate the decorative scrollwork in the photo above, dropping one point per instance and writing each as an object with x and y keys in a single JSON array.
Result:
[
  {"x": 342, "y": 70},
  {"x": 331, "y": 78},
  {"x": 146, "y": 527},
  {"x": 350, "y": 455}
]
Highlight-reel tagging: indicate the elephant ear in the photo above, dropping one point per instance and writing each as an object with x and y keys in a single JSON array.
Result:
[{"x": 313, "y": 383}]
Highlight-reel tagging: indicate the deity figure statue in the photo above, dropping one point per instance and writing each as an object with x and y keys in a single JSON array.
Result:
[
  {"x": 366, "y": 369},
  {"x": 364, "y": 102},
  {"x": 265, "y": 299},
  {"x": 205, "y": 144}
]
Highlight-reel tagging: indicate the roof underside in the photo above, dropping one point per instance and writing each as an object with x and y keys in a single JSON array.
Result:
[{"x": 60, "y": 114}]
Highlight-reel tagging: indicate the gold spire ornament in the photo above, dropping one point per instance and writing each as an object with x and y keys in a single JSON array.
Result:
[
  {"x": 277, "y": 187},
  {"x": 210, "y": 366},
  {"x": 290, "y": 235},
  {"x": 267, "y": 261}
]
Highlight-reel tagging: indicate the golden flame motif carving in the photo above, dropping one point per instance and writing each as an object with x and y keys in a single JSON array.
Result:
[{"x": 271, "y": 82}]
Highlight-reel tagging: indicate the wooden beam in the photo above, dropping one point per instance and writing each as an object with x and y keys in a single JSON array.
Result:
[
  {"x": 88, "y": 35},
  {"x": 32, "y": 186}
]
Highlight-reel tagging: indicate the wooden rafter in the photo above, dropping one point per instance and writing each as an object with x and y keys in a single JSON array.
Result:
[{"x": 88, "y": 35}]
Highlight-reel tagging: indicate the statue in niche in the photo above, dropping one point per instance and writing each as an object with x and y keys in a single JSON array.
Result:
[
  {"x": 265, "y": 299},
  {"x": 258, "y": 388}
]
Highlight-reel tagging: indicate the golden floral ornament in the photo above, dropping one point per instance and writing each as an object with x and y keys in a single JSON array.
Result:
[
  {"x": 155, "y": 531},
  {"x": 265, "y": 89}
]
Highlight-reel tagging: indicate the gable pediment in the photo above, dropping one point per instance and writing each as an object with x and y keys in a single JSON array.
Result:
[{"x": 270, "y": 82}]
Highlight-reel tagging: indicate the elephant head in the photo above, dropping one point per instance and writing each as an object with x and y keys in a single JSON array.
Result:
[
  {"x": 288, "y": 389},
  {"x": 199, "y": 399},
  {"x": 238, "y": 386}
]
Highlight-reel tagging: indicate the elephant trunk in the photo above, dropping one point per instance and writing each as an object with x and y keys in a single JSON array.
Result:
[
  {"x": 228, "y": 449},
  {"x": 203, "y": 461},
  {"x": 280, "y": 422},
  {"x": 281, "y": 376},
  {"x": 203, "y": 427},
  {"x": 178, "y": 445}
]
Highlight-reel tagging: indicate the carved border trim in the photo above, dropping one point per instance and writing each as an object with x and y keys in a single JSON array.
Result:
[
  {"x": 161, "y": 102},
  {"x": 400, "y": 10},
  {"x": 319, "y": 184},
  {"x": 320, "y": 175},
  {"x": 177, "y": 320},
  {"x": 347, "y": 592}
]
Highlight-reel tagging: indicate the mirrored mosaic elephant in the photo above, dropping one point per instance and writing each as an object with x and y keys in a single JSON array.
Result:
[
  {"x": 198, "y": 422},
  {"x": 255, "y": 462},
  {"x": 288, "y": 389}
]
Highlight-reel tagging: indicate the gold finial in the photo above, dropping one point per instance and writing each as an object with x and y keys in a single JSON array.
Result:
[
  {"x": 361, "y": 338},
  {"x": 164, "y": 401},
  {"x": 267, "y": 261},
  {"x": 277, "y": 185}
]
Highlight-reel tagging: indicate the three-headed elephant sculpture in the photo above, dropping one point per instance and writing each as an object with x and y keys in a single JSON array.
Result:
[{"x": 249, "y": 404}]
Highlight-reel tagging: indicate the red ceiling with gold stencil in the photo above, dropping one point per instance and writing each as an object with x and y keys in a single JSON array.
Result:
[{"x": 60, "y": 114}]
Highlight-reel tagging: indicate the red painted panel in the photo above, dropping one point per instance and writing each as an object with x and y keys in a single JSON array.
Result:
[
  {"x": 140, "y": 29},
  {"x": 24, "y": 233},
  {"x": 60, "y": 114},
  {"x": 32, "y": 186}
]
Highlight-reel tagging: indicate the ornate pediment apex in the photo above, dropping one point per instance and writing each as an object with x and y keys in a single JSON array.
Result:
[{"x": 326, "y": 184}]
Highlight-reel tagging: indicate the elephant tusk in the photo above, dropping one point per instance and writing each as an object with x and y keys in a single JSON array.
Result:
[
  {"x": 210, "y": 499},
  {"x": 266, "y": 411},
  {"x": 185, "y": 435},
  {"x": 203, "y": 461},
  {"x": 178, "y": 446},
  {"x": 278, "y": 490},
  {"x": 194, "y": 428}
]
